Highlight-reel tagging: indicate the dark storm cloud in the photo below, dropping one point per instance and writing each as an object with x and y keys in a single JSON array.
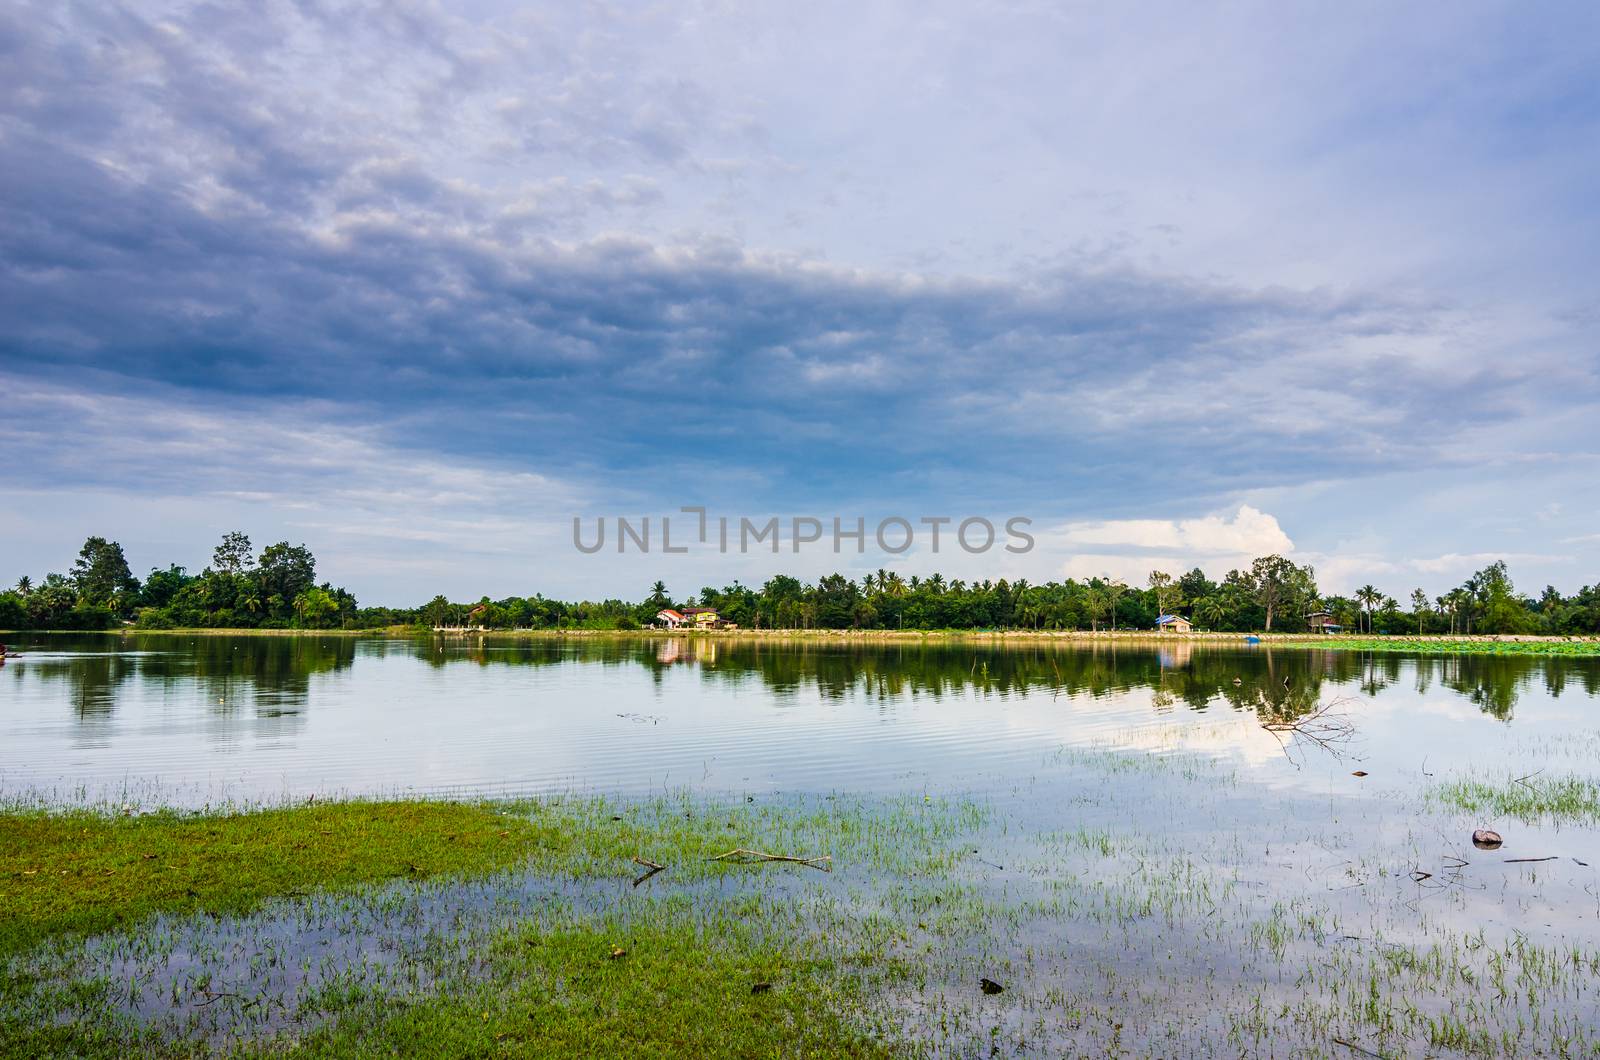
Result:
[{"x": 255, "y": 210}]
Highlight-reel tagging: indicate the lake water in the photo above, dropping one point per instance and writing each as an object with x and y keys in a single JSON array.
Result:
[
  {"x": 1166, "y": 850},
  {"x": 197, "y": 719}
]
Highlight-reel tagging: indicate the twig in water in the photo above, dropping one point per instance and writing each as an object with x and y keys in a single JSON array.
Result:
[
  {"x": 210, "y": 997},
  {"x": 652, "y": 867},
  {"x": 1524, "y": 861},
  {"x": 825, "y": 862},
  {"x": 1357, "y": 1048}
]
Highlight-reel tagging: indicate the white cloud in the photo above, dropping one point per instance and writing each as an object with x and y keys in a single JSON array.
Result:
[{"x": 1246, "y": 531}]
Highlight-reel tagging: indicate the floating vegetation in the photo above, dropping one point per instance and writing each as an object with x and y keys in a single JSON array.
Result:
[{"x": 1558, "y": 646}]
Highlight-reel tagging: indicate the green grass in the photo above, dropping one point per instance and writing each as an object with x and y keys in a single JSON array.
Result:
[
  {"x": 1530, "y": 799},
  {"x": 514, "y": 929},
  {"x": 81, "y": 872},
  {"x": 1451, "y": 646},
  {"x": 549, "y": 984},
  {"x": 671, "y": 991}
]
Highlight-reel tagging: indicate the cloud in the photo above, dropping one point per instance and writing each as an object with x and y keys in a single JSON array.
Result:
[
  {"x": 739, "y": 257},
  {"x": 1246, "y": 532}
]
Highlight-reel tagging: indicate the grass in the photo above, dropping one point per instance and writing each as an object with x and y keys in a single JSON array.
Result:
[
  {"x": 312, "y": 931},
  {"x": 190, "y": 904},
  {"x": 1530, "y": 799},
  {"x": 1563, "y": 646},
  {"x": 81, "y": 872},
  {"x": 670, "y": 991}
]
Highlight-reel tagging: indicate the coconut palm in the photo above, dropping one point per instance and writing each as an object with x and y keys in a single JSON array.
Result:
[
  {"x": 1368, "y": 596},
  {"x": 1209, "y": 611},
  {"x": 24, "y": 585}
]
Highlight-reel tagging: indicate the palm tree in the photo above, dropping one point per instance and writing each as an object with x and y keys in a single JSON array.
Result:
[
  {"x": 1209, "y": 611},
  {"x": 24, "y": 585},
  {"x": 1094, "y": 601},
  {"x": 1115, "y": 587},
  {"x": 1368, "y": 597},
  {"x": 1419, "y": 607}
]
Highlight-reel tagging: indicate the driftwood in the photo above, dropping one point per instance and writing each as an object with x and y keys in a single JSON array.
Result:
[
  {"x": 740, "y": 854},
  {"x": 1524, "y": 861},
  {"x": 651, "y": 867}
]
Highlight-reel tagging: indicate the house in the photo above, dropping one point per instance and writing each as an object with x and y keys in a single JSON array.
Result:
[
  {"x": 702, "y": 617},
  {"x": 1322, "y": 622},
  {"x": 669, "y": 618},
  {"x": 1173, "y": 624}
]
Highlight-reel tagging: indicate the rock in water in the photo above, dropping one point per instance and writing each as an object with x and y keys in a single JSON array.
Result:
[
  {"x": 1485, "y": 839},
  {"x": 990, "y": 986}
]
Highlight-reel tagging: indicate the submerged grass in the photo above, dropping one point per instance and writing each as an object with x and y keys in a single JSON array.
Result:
[
  {"x": 1530, "y": 799},
  {"x": 525, "y": 933},
  {"x": 367, "y": 956}
]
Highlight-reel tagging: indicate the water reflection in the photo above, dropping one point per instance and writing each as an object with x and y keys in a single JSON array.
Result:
[
  {"x": 1276, "y": 682},
  {"x": 265, "y": 715},
  {"x": 272, "y": 676}
]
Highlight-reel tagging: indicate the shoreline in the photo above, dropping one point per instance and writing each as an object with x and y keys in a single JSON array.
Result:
[{"x": 1476, "y": 643}]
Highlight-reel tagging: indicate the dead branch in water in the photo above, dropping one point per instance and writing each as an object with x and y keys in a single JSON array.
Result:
[
  {"x": 652, "y": 868},
  {"x": 740, "y": 854},
  {"x": 1327, "y": 726}
]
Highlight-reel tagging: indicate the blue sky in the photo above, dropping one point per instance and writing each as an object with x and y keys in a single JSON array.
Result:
[{"x": 416, "y": 284}]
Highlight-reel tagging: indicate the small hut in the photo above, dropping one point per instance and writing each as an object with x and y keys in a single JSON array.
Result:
[
  {"x": 1322, "y": 622},
  {"x": 1173, "y": 624}
]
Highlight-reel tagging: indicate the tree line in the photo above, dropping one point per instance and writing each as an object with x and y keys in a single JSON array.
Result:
[{"x": 278, "y": 589}]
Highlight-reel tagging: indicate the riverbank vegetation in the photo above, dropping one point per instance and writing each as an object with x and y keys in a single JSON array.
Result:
[{"x": 278, "y": 589}]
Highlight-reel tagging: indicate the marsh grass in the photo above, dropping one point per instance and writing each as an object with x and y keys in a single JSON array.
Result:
[
  {"x": 1112, "y": 935},
  {"x": 1530, "y": 799},
  {"x": 81, "y": 872}
]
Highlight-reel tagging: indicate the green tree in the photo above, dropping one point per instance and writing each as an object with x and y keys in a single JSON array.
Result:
[
  {"x": 315, "y": 607},
  {"x": 1166, "y": 591},
  {"x": 161, "y": 586},
  {"x": 1419, "y": 607},
  {"x": 283, "y": 572},
  {"x": 102, "y": 578},
  {"x": 233, "y": 555},
  {"x": 1209, "y": 611},
  {"x": 1500, "y": 609},
  {"x": 1279, "y": 584}
]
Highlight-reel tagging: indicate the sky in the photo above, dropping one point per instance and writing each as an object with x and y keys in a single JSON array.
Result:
[{"x": 419, "y": 284}]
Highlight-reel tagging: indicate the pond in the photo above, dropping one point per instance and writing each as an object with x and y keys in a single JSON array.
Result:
[
  {"x": 1158, "y": 849},
  {"x": 200, "y": 719}
]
